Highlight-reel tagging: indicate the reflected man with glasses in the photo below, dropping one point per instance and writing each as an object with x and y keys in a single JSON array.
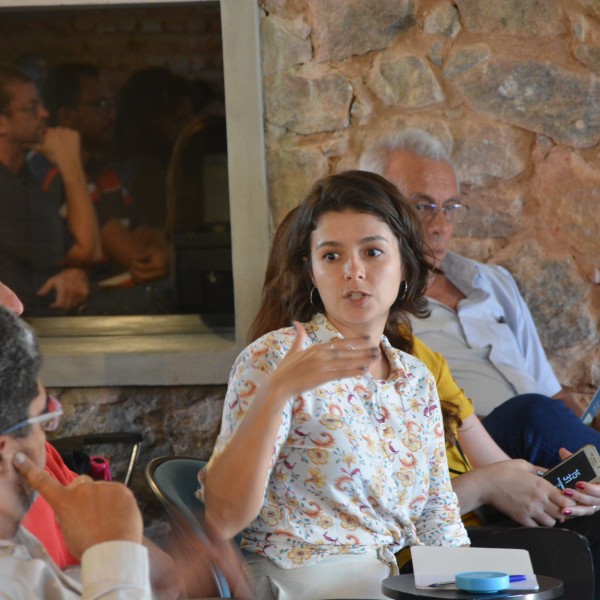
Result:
[
  {"x": 78, "y": 97},
  {"x": 49, "y": 229},
  {"x": 479, "y": 321}
]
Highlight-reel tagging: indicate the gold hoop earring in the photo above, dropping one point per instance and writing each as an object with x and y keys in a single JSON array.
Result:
[{"x": 403, "y": 290}]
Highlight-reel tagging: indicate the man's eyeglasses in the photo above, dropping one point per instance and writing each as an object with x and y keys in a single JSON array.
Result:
[
  {"x": 31, "y": 108},
  {"x": 102, "y": 105},
  {"x": 454, "y": 211},
  {"x": 49, "y": 420}
]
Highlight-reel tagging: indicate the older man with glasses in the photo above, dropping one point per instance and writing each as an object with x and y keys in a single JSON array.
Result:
[{"x": 479, "y": 321}]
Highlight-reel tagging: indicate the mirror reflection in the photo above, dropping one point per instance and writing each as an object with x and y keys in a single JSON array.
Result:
[{"x": 113, "y": 161}]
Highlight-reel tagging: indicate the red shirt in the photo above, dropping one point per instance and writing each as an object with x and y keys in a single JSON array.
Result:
[{"x": 40, "y": 520}]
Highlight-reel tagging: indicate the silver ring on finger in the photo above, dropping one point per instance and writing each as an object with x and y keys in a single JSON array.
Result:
[{"x": 596, "y": 507}]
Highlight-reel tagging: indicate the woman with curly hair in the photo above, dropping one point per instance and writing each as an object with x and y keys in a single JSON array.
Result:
[{"x": 331, "y": 455}]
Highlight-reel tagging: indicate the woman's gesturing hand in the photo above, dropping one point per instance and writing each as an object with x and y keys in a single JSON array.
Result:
[{"x": 302, "y": 370}]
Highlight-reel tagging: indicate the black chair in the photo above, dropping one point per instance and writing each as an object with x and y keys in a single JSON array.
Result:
[
  {"x": 554, "y": 552},
  {"x": 68, "y": 446},
  {"x": 174, "y": 481}
]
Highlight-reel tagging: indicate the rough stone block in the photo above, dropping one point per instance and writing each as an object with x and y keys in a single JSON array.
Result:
[
  {"x": 288, "y": 9},
  {"x": 443, "y": 20},
  {"x": 519, "y": 17},
  {"x": 436, "y": 52},
  {"x": 405, "y": 81},
  {"x": 294, "y": 165},
  {"x": 343, "y": 28},
  {"x": 465, "y": 58},
  {"x": 537, "y": 96},
  {"x": 283, "y": 45},
  {"x": 567, "y": 188},
  {"x": 555, "y": 296},
  {"x": 495, "y": 213},
  {"x": 486, "y": 149},
  {"x": 308, "y": 100}
]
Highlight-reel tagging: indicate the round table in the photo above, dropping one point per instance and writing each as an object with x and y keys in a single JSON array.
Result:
[{"x": 402, "y": 587}]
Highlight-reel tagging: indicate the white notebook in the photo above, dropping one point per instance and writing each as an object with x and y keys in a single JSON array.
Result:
[{"x": 439, "y": 564}]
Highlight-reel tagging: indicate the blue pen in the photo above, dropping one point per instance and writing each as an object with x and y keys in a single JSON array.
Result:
[{"x": 511, "y": 579}]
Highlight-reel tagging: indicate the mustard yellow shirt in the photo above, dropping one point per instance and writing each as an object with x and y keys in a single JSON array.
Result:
[{"x": 448, "y": 390}]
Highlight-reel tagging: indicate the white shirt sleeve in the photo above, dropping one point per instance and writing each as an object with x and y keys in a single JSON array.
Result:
[
  {"x": 520, "y": 320},
  {"x": 116, "y": 571}
]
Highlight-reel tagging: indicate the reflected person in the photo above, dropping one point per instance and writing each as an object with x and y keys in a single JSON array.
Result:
[
  {"x": 78, "y": 97},
  {"x": 50, "y": 232}
]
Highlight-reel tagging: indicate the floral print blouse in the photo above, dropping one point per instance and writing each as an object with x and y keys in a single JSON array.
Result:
[{"x": 358, "y": 464}]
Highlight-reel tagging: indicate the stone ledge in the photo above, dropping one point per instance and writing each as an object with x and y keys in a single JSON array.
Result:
[{"x": 135, "y": 356}]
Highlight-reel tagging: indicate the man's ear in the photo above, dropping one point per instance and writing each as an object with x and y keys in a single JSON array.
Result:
[{"x": 6, "y": 453}]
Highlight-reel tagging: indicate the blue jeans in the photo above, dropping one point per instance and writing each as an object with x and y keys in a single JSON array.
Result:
[{"x": 535, "y": 427}]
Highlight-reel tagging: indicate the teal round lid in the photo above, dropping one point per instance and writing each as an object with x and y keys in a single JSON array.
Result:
[{"x": 482, "y": 581}]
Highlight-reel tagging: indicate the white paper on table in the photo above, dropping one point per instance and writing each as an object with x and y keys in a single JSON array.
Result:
[{"x": 439, "y": 564}]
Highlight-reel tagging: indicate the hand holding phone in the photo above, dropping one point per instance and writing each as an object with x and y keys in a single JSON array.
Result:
[{"x": 584, "y": 465}]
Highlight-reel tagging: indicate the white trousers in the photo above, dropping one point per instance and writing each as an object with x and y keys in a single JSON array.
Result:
[{"x": 341, "y": 576}]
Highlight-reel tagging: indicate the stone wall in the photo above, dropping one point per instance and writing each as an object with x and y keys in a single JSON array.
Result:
[
  {"x": 181, "y": 420},
  {"x": 511, "y": 88}
]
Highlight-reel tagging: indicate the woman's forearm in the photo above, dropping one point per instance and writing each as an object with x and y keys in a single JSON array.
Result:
[
  {"x": 471, "y": 489},
  {"x": 478, "y": 445},
  {"x": 236, "y": 479}
]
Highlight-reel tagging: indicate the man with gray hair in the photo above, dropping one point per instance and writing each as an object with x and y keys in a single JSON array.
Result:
[
  {"x": 479, "y": 321},
  {"x": 114, "y": 562}
]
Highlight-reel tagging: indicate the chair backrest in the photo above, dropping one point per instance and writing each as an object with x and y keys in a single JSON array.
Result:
[
  {"x": 554, "y": 552},
  {"x": 174, "y": 481}
]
